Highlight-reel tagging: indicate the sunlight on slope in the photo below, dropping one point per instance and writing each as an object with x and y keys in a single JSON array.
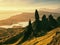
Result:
[{"x": 44, "y": 40}]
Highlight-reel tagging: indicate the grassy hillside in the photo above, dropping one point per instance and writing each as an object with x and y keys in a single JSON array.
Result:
[
  {"x": 6, "y": 34},
  {"x": 44, "y": 40},
  {"x": 40, "y": 32}
]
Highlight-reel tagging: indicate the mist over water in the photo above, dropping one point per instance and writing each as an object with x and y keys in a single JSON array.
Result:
[{"x": 22, "y": 24}]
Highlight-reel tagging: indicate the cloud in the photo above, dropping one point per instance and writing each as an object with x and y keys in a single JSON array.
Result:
[
  {"x": 29, "y": 4},
  {"x": 36, "y": 1},
  {"x": 31, "y": 1},
  {"x": 14, "y": 1}
]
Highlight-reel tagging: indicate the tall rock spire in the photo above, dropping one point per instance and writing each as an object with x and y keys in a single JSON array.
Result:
[{"x": 36, "y": 15}]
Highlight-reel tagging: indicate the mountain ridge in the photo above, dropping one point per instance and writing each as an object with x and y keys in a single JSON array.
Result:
[{"x": 25, "y": 17}]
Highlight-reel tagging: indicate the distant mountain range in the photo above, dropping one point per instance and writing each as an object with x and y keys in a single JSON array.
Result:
[
  {"x": 51, "y": 10},
  {"x": 25, "y": 17}
]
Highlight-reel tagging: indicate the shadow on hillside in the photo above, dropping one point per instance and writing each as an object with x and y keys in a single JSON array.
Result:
[
  {"x": 36, "y": 29},
  {"x": 40, "y": 27},
  {"x": 56, "y": 39},
  {"x": 13, "y": 39}
]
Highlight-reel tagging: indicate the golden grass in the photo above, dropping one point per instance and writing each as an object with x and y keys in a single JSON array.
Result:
[{"x": 44, "y": 40}]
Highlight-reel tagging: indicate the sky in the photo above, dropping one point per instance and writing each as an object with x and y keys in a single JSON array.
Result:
[{"x": 25, "y": 5}]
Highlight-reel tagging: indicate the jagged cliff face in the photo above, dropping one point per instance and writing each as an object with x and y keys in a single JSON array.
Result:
[{"x": 56, "y": 39}]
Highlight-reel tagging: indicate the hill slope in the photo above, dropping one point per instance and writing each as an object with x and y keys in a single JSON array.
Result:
[{"x": 44, "y": 40}]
